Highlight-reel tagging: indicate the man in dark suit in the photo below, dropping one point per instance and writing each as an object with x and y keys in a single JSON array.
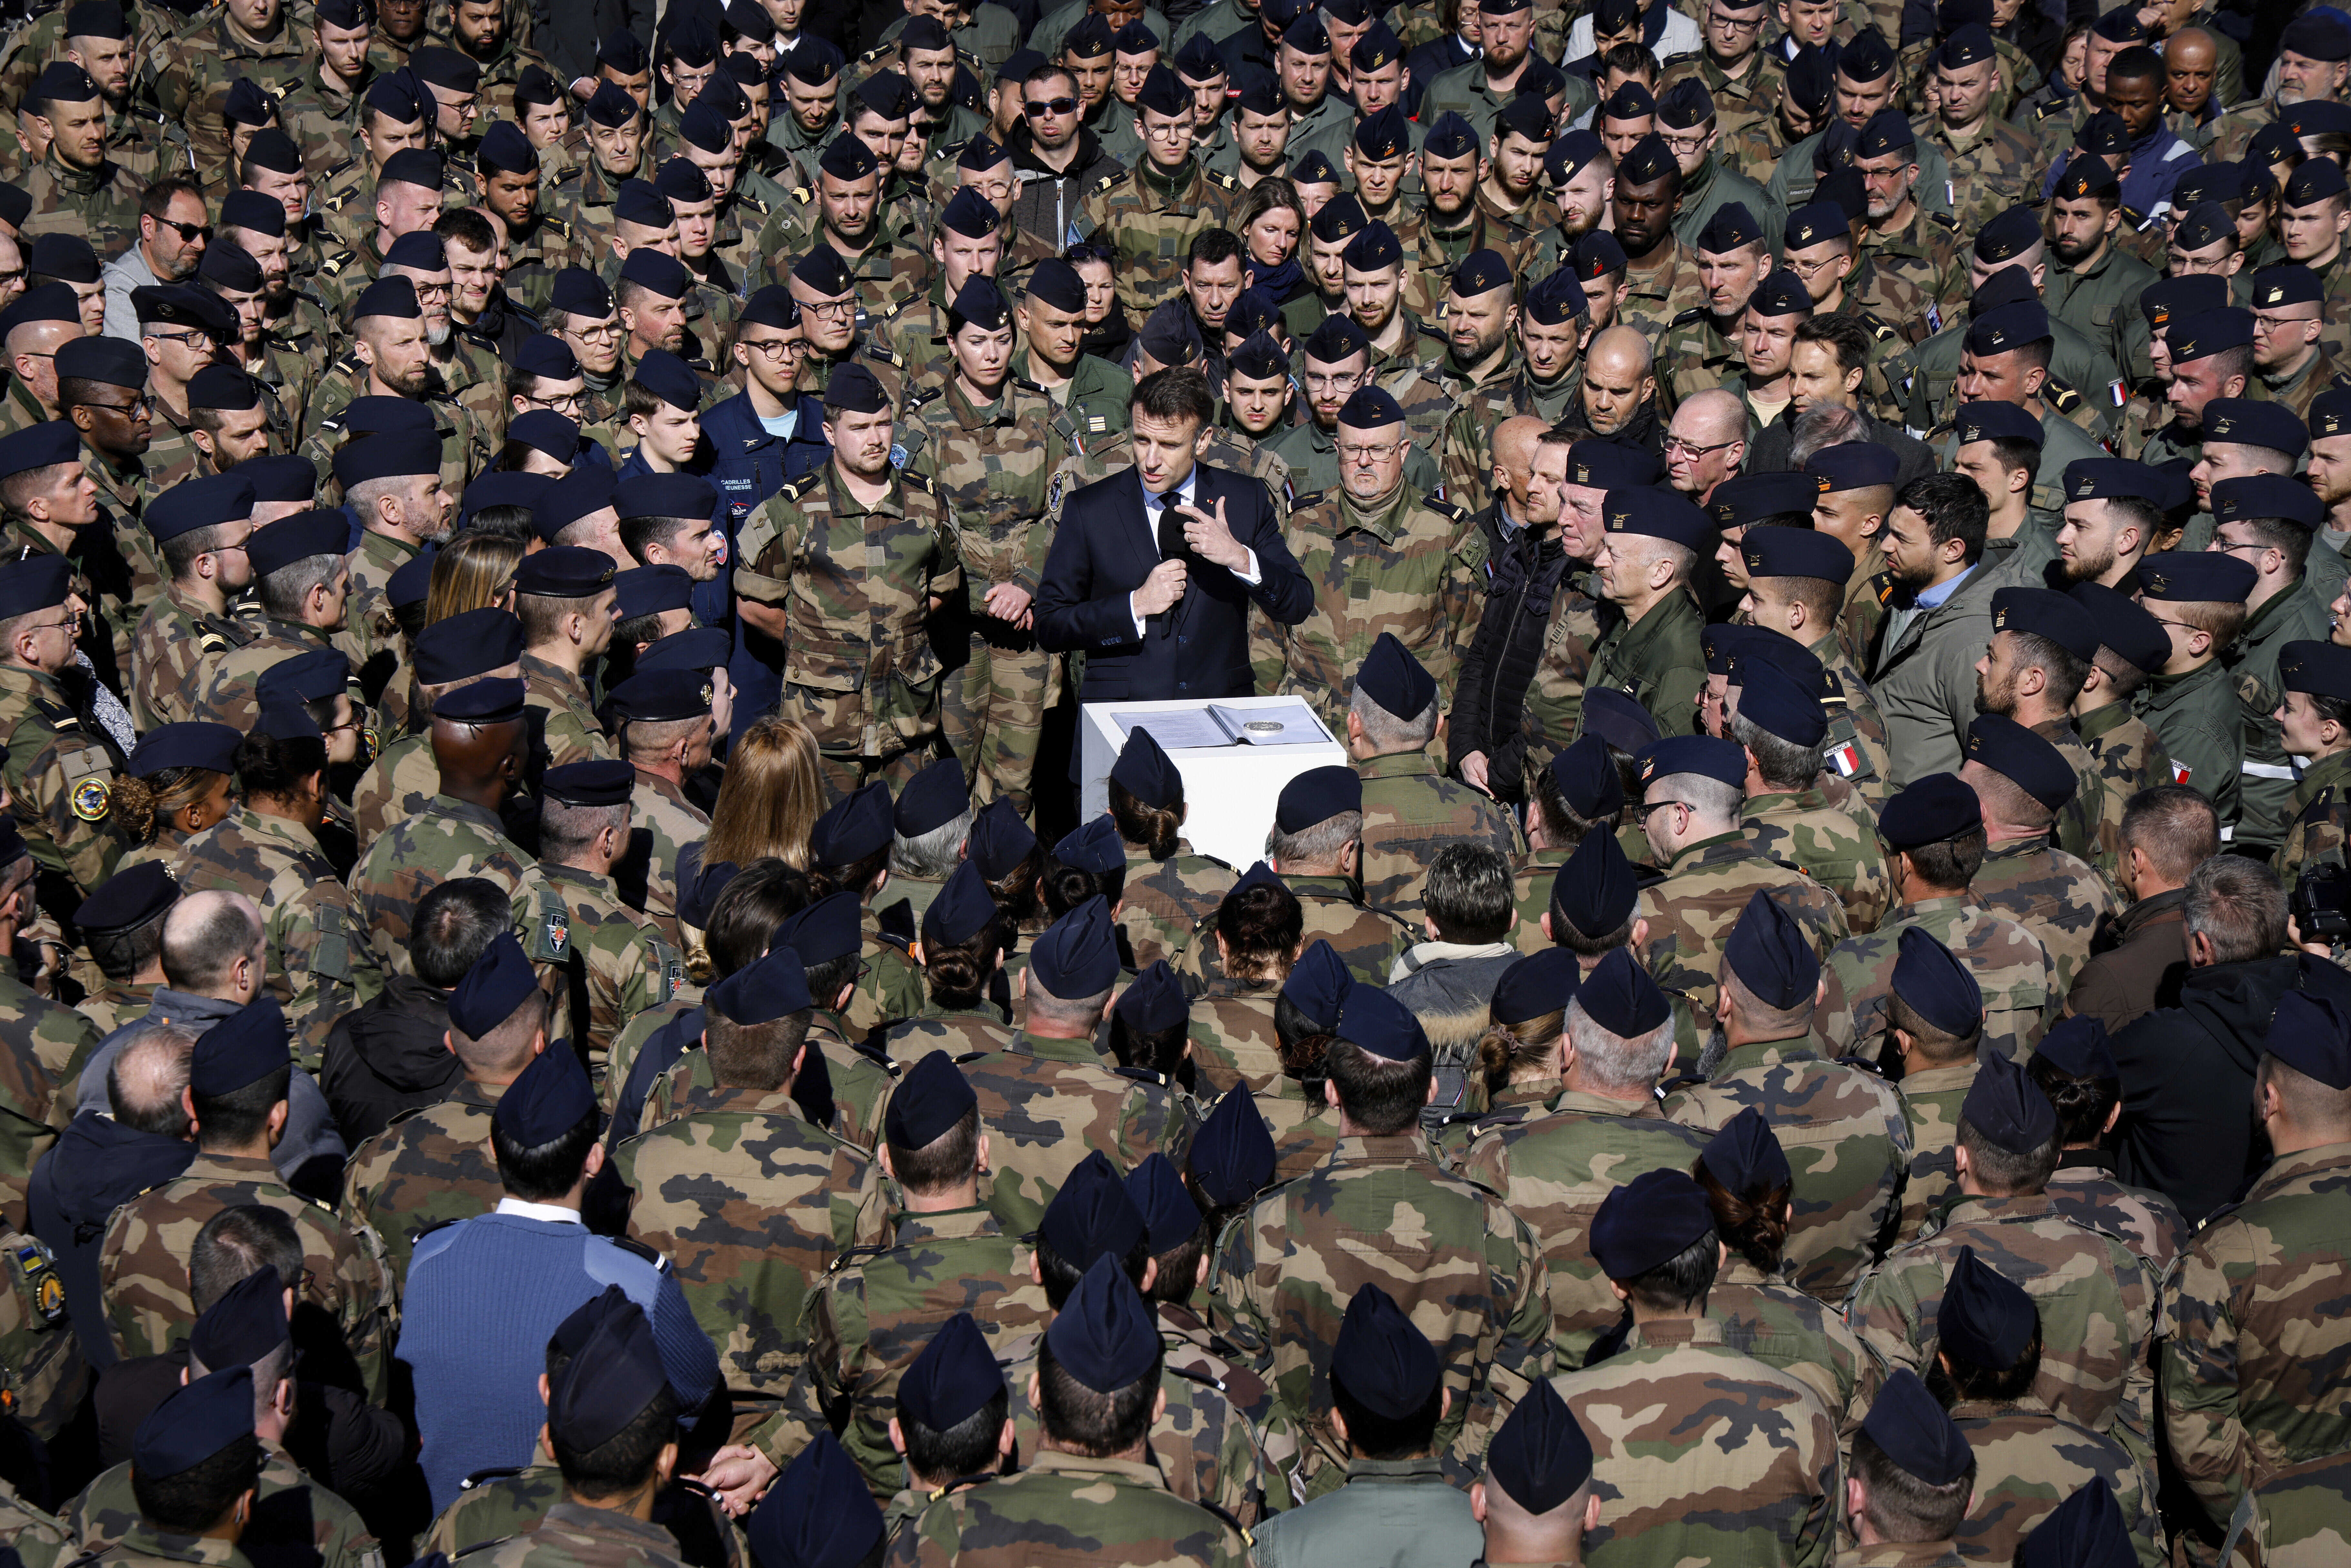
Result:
[{"x": 1152, "y": 570}]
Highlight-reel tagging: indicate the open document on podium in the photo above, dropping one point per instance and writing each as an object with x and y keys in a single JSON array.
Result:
[{"x": 1284, "y": 724}]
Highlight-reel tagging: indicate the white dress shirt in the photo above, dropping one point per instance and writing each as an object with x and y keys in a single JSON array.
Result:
[{"x": 1179, "y": 497}]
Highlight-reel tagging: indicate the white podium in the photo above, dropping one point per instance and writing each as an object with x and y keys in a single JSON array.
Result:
[{"x": 1230, "y": 791}]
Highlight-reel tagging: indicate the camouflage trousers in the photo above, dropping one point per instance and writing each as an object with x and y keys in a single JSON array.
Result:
[
  {"x": 992, "y": 712},
  {"x": 854, "y": 748}
]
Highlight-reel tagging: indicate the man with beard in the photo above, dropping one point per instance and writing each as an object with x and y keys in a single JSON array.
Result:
[
  {"x": 1335, "y": 362},
  {"x": 490, "y": 323},
  {"x": 1480, "y": 313},
  {"x": 811, "y": 82},
  {"x": 1511, "y": 191},
  {"x": 1900, "y": 237},
  {"x": 1991, "y": 160},
  {"x": 1052, "y": 320},
  {"x": 1939, "y": 619},
  {"x": 2330, "y": 477},
  {"x": 2005, "y": 359},
  {"x": 1323, "y": 250},
  {"x": 235, "y": 279},
  {"x": 1734, "y": 67},
  {"x": 1701, "y": 345},
  {"x": 1644, "y": 563},
  {"x": 1376, "y": 156},
  {"x": 2095, "y": 284},
  {"x": 1448, "y": 225},
  {"x": 2040, "y": 652},
  {"x": 1688, "y": 123},
  {"x": 926, "y": 57},
  {"x": 2267, "y": 519},
  {"x": 320, "y": 109},
  {"x": 1807, "y": 88},
  {"x": 1059, "y": 159},
  {"x": 1395, "y": 339},
  {"x": 2114, "y": 511},
  {"x": 1662, "y": 280},
  {"x": 402, "y": 506},
  {"x": 391, "y": 357},
  {"x": 1303, "y": 71},
  {"x": 172, "y": 225},
  {"x": 1826, "y": 365},
  {"x": 2211, "y": 356},
  {"x": 1583, "y": 178},
  {"x": 472, "y": 377},
  {"x": 1544, "y": 379},
  {"x": 1477, "y": 91},
  {"x": 2314, "y": 63},
  {"x": 536, "y": 246}
]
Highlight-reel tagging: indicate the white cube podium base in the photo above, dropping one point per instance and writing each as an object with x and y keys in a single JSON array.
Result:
[{"x": 1228, "y": 791}]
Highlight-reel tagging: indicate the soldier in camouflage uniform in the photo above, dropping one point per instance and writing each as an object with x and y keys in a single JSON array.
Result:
[
  {"x": 1151, "y": 213},
  {"x": 1474, "y": 1282},
  {"x": 1410, "y": 812},
  {"x": 2022, "y": 779},
  {"x": 1849, "y": 1144},
  {"x": 795, "y": 1198},
  {"x": 2027, "y": 1459},
  {"x": 1700, "y": 347},
  {"x": 1931, "y": 831},
  {"x": 2248, "y": 1382},
  {"x": 478, "y": 745},
  {"x": 874, "y": 1310},
  {"x": 1555, "y": 1165},
  {"x": 199, "y": 528},
  {"x": 1382, "y": 559},
  {"x": 1677, "y": 1393},
  {"x": 1911, "y": 243},
  {"x": 60, "y": 770},
  {"x": 142, "y": 1261},
  {"x": 77, "y": 188},
  {"x": 847, "y": 604},
  {"x": 668, "y": 722},
  {"x": 189, "y": 75},
  {"x": 1169, "y": 888},
  {"x": 1692, "y": 786},
  {"x": 988, "y": 443},
  {"x": 1661, "y": 278},
  {"x": 618, "y": 965},
  {"x": 1547, "y": 383},
  {"x": 1773, "y": 714}
]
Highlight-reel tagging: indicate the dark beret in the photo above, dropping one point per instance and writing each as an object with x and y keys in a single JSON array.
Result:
[
  {"x": 2195, "y": 577},
  {"x": 1316, "y": 796},
  {"x": 1104, "y": 1336},
  {"x": 2247, "y": 422},
  {"x": 304, "y": 534},
  {"x": 1449, "y": 136},
  {"x": 495, "y": 700},
  {"x": 1385, "y": 1362},
  {"x": 1770, "y": 953}
]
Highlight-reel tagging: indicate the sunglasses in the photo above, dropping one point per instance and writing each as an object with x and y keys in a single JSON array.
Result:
[
  {"x": 189, "y": 233},
  {"x": 1039, "y": 108}
]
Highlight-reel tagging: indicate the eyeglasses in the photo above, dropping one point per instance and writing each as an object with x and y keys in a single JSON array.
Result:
[
  {"x": 2231, "y": 547},
  {"x": 1039, "y": 108},
  {"x": 603, "y": 333},
  {"x": 432, "y": 291},
  {"x": 839, "y": 308},
  {"x": 67, "y": 625},
  {"x": 561, "y": 402},
  {"x": 774, "y": 349},
  {"x": 1369, "y": 452},
  {"x": 185, "y": 339},
  {"x": 135, "y": 408},
  {"x": 1808, "y": 270},
  {"x": 189, "y": 233},
  {"x": 1652, "y": 805},
  {"x": 1675, "y": 444}
]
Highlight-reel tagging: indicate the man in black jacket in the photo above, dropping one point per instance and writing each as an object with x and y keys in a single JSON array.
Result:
[{"x": 1055, "y": 160}]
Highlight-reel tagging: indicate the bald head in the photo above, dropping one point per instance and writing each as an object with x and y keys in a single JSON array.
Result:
[
  {"x": 1624, "y": 350},
  {"x": 1710, "y": 417},
  {"x": 1514, "y": 450},
  {"x": 215, "y": 946},
  {"x": 478, "y": 762},
  {"x": 144, "y": 1080}
]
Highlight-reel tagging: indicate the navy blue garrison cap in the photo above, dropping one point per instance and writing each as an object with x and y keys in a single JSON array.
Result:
[
  {"x": 931, "y": 799},
  {"x": 1384, "y": 1360},
  {"x": 2087, "y": 1531},
  {"x": 130, "y": 899},
  {"x": 952, "y": 1380},
  {"x": 1597, "y": 890},
  {"x": 1000, "y": 840},
  {"x": 853, "y": 827},
  {"x": 616, "y": 1373},
  {"x": 282, "y": 718},
  {"x": 1995, "y": 422},
  {"x": 1985, "y": 1317},
  {"x": 665, "y": 696},
  {"x": 1078, "y": 955},
  {"x": 37, "y": 582},
  {"x": 494, "y": 989},
  {"x": 1649, "y": 1221},
  {"x": 1619, "y": 996},
  {"x": 1771, "y": 955},
  {"x": 1155, "y": 1188},
  {"x": 2078, "y": 1047},
  {"x": 550, "y": 1098},
  {"x": 1852, "y": 465},
  {"x": 828, "y": 929},
  {"x": 1540, "y": 1456},
  {"x": 1143, "y": 770},
  {"x": 670, "y": 379},
  {"x": 1936, "y": 984},
  {"x": 1318, "y": 986},
  {"x": 928, "y": 1103},
  {"x": 1091, "y": 1216},
  {"x": 392, "y": 455},
  {"x": 697, "y": 650},
  {"x": 1232, "y": 1155},
  {"x": 1780, "y": 704},
  {"x": 1156, "y": 999},
  {"x": 819, "y": 1514},
  {"x": 1659, "y": 514},
  {"x": 1599, "y": 464},
  {"x": 2249, "y": 423},
  {"x": 1316, "y": 796},
  {"x": 468, "y": 643},
  {"x": 2044, "y": 613},
  {"x": 43, "y": 445},
  {"x": 771, "y": 987},
  {"x": 189, "y": 743},
  {"x": 2310, "y": 1034},
  {"x": 312, "y": 675},
  {"x": 1104, "y": 1336},
  {"x": 2192, "y": 577},
  {"x": 194, "y": 1422},
  {"x": 2319, "y": 669},
  {"x": 1587, "y": 779},
  {"x": 649, "y": 589},
  {"x": 664, "y": 495},
  {"x": 242, "y": 1049},
  {"x": 564, "y": 571},
  {"x": 1393, "y": 678},
  {"x": 1773, "y": 551},
  {"x": 1535, "y": 986},
  {"x": 2103, "y": 478},
  {"x": 1745, "y": 1155},
  {"x": 1746, "y": 498},
  {"x": 2027, "y": 760},
  {"x": 1371, "y": 1018},
  {"x": 247, "y": 1322},
  {"x": 1915, "y": 1431},
  {"x": 961, "y": 909},
  {"x": 1092, "y": 846},
  {"x": 1721, "y": 761}
]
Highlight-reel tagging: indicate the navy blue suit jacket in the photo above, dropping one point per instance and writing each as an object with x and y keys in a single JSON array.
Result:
[{"x": 1104, "y": 550}]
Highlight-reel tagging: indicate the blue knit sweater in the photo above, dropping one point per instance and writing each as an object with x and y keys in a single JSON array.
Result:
[{"x": 484, "y": 1297}]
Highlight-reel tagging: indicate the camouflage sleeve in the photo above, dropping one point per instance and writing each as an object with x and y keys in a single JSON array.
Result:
[
  {"x": 1884, "y": 1311},
  {"x": 369, "y": 1312},
  {"x": 316, "y": 934},
  {"x": 766, "y": 547},
  {"x": 1524, "y": 1353},
  {"x": 2203, "y": 1429},
  {"x": 66, "y": 796},
  {"x": 947, "y": 555},
  {"x": 1465, "y": 598},
  {"x": 1238, "y": 1309},
  {"x": 1155, "y": 1124},
  {"x": 1037, "y": 539}
]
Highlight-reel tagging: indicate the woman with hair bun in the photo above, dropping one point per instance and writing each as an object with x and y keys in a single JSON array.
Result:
[
  {"x": 1305, "y": 1021},
  {"x": 1746, "y": 1181},
  {"x": 1169, "y": 889},
  {"x": 1258, "y": 933},
  {"x": 1514, "y": 1067},
  {"x": 174, "y": 786},
  {"x": 963, "y": 939}
]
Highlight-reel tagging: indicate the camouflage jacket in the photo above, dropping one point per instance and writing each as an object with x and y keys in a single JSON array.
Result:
[
  {"x": 429, "y": 1166},
  {"x": 1305, "y": 1128},
  {"x": 1233, "y": 1038},
  {"x": 1408, "y": 565},
  {"x": 1465, "y": 1269},
  {"x": 2027, "y": 1462},
  {"x": 174, "y": 655},
  {"x": 1847, "y": 1139},
  {"x": 1410, "y": 812},
  {"x": 33, "y": 1033},
  {"x": 663, "y": 822},
  {"x": 38, "y": 1538},
  {"x": 1554, "y": 1167},
  {"x": 101, "y": 204},
  {"x": 295, "y": 1521},
  {"x": 1661, "y": 290},
  {"x": 1679, "y": 1422},
  {"x": 1151, "y": 222},
  {"x": 400, "y": 782},
  {"x": 1932, "y": 1099},
  {"x": 2252, "y": 1370},
  {"x": 2100, "y": 1308},
  {"x": 47, "y": 1376},
  {"x": 2050, "y": 894},
  {"x": 1769, "y": 1318},
  {"x": 1367, "y": 940},
  {"x": 2090, "y": 826},
  {"x": 2086, "y": 1191},
  {"x": 856, "y": 586},
  {"x": 60, "y": 778},
  {"x": 2018, "y": 976},
  {"x": 617, "y": 963},
  {"x": 2297, "y": 1515},
  {"x": 990, "y": 466},
  {"x": 449, "y": 839},
  {"x": 574, "y": 1535},
  {"x": 188, "y": 76},
  {"x": 492, "y": 1505},
  {"x": 144, "y": 1271},
  {"x": 144, "y": 1546},
  {"x": 1802, "y": 830},
  {"x": 1105, "y": 1512},
  {"x": 1205, "y": 1447},
  {"x": 1165, "y": 900},
  {"x": 1046, "y": 1104},
  {"x": 569, "y": 730},
  {"x": 751, "y": 1205},
  {"x": 320, "y": 965},
  {"x": 228, "y": 697},
  {"x": 2319, "y": 815},
  {"x": 1692, "y": 911},
  {"x": 868, "y": 1319}
]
